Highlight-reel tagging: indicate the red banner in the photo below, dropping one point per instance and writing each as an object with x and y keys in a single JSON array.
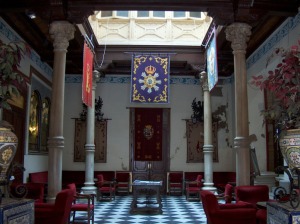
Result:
[{"x": 87, "y": 76}]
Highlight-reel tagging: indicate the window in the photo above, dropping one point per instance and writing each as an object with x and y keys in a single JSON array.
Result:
[
  {"x": 195, "y": 14},
  {"x": 34, "y": 121},
  {"x": 161, "y": 14},
  {"x": 178, "y": 14},
  {"x": 157, "y": 14},
  {"x": 122, "y": 13},
  {"x": 143, "y": 14},
  {"x": 106, "y": 13},
  {"x": 45, "y": 124},
  {"x": 38, "y": 123}
]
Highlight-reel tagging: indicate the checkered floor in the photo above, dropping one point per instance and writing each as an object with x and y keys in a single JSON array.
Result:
[{"x": 175, "y": 210}]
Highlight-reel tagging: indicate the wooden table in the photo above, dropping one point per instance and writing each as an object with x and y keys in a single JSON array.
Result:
[
  {"x": 17, "y": 211},
  {"x": 146, "y": 197}
]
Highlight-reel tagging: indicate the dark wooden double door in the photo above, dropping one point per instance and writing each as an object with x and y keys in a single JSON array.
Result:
[{"x": 152, "y": 170}]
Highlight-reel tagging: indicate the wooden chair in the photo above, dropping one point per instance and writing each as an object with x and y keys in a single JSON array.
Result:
[
  {"x": 58, "y": 213},
  {"x": 105, "y": 189},
  {"x": 193, "y": 188},
  {"x": 175, "y": 183},
  {"x": 83, "y": 203}
]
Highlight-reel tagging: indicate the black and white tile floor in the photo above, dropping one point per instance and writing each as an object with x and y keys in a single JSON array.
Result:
[{"x": 175, "y": 210}]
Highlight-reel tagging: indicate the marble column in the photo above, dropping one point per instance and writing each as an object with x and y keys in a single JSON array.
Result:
[
  {"x": 208, "y": 148},
  {"x": 238, "y": 34},
  {"x": 61, "y": 32},
  {"x": 89, "y": 183}
]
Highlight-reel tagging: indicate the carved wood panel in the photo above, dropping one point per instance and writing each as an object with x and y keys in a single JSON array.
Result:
[{"x": 100, "y": 141}]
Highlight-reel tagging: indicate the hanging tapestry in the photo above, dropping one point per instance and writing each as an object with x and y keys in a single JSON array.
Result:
[
  {"x": 150, "y": 79},
  {"x": 100, "y": 141},
  {"x": 148, "y": 134},
  {"x": 195, "y": 141}
]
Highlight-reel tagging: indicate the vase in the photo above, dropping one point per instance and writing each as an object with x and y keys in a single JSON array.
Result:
[
  {"x": 8, "y": 148},
  {"x": 290, "y": 148}
]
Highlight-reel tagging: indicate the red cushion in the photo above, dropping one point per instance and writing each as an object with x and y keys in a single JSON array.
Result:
[{"x": 261, "y": 215}]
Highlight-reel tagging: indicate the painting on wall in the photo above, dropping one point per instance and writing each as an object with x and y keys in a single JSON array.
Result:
[
  {"x": 195, "y": 141},
  {"x": 100, "y": 141}
]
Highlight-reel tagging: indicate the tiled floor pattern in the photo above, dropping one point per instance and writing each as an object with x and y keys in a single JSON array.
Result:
[{"x": 175, "y": 210}]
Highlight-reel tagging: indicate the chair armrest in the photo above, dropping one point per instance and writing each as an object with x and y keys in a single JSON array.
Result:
[
  {"x": 235, "y": 206},
  {"x": 88, "y": 197}
]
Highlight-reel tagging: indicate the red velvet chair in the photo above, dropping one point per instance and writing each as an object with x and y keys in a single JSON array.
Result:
[
  {"x": 227, "y": 196},
  {"x": 58, "y": 212},
  {"x": 105, "y": 189},
  {"x": 193, "y": 188},
  {"x": 123, "y": 180},
  {"x": 175, "y": 182},
  {"x": 252, "y": 195},
  {"x": 83, "y": 203},
  {"x": 226, "y": 213}
]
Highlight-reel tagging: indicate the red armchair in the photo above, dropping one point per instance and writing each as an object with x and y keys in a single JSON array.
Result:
[
  {"x": 226, "y": 213},
  {"x": 28, "y": 190},
  {"x": 105, "y": 189},
  {"x": 175, "y": 182},
  {"x": 81, "y": 203},
  {"x": 124, "y": 180},
  {"x": 227, "y": 196},
  {"x": 252, "y": 195},
  {"x": 58, "y": 212},
  {"x": 193, "y": 188}
]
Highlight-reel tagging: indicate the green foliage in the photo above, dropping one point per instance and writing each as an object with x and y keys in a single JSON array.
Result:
[{"x": 11, "y": 83}]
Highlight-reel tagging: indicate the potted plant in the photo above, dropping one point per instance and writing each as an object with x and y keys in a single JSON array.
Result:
[
  {"x": 284, "y": 84},
  {"x": 11, "y": 83}
]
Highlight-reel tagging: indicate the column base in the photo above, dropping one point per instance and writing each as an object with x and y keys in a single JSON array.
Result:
[
  {"x": 209, "y": 187},
  {"x": 89, "y": 190}
]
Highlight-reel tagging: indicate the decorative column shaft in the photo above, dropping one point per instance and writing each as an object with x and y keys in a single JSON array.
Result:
[
  {"x": 89, "y": 183},
  {"x": 208, "y": 148},
  {"x": 61, "y": 32},
  {"x": 238, "y": 34}
]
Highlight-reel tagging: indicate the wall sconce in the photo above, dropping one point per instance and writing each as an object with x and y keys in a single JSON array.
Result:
[
  {"x": 31, "y": 14},
  {"x": 32, "y": 129}
]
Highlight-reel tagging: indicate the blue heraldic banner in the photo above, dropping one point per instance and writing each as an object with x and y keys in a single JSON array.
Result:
[{"x": 150, "y": 79}]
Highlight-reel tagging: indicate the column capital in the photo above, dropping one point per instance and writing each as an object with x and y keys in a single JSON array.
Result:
[
  {"x": 61, "y": 32},
  {"x": 238, "y": 34},
  {"x": 204, "y": 81}
]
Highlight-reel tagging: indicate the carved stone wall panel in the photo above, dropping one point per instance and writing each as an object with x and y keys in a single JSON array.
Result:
[{"x": 100, "y": 141}]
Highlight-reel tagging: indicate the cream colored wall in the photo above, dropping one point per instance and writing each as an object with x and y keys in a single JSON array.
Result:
[
  {"x": 116, "y": 101},
  {"x": 286, "y": 35}
]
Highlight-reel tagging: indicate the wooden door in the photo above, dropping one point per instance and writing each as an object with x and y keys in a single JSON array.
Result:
[{"x": 152, "y": 170}]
